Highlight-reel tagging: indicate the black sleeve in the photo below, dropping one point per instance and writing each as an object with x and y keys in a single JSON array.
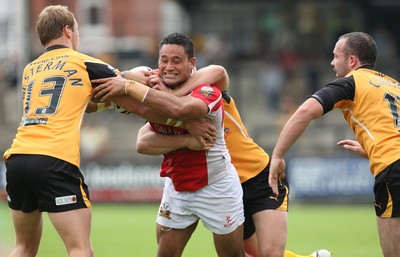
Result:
[
  {"x": 338, "y": 90},
  {"x": 226, "y": 96},
  {"x": 98, "y": 70}
]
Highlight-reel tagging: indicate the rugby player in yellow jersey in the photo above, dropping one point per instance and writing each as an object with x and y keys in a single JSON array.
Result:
[
  {"x": 43, "y": 162},
  {"x": 369, "y": 102},
  {"x": 265, "y": 229}
]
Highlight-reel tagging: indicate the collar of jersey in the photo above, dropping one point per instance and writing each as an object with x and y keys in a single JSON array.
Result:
[{"x": 55, "y": 47}]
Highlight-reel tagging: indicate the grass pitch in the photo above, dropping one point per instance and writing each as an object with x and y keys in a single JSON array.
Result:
[{"x": 129, "y": 230}]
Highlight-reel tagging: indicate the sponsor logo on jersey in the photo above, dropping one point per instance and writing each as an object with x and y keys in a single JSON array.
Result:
[
  {"x": 207, "y": 91},
  {"x": 63, "y": 200},
  {"x": 227, "y": 132}
]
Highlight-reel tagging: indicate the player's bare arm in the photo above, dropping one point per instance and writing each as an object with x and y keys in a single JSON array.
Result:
[
  {"x": 213, "y": 74},
  {"x": 294, "y": 128},
  {"x": 182, "y": 108},
  {"x": 152, "y": 143},
  {"x": 202, "y": 129},
  {"x": 354, "y": 146},
  {"x": 140, "y": 74}
]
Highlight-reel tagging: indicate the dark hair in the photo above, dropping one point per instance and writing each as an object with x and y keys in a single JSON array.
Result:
[
  {"x": 52, "y": 21},
  {"x": 363, "y": 46},
  {"x": 179, "y": 39}
]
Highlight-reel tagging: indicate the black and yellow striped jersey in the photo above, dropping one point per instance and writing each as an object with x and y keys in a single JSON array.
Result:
[
  {"x": 56, "y": 88},
  {"x": 370, "y": 103}
]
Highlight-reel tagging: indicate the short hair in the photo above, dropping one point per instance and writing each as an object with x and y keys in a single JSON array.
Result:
[
  {"x": 51, "y": 22},
  {"x": 363, "y": 46},
  {"x": 179, "y": 39}
]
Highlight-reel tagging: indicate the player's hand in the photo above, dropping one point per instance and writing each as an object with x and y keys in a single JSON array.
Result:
[
  {"x": 139, "y": 75},
  {"x": 157, "y": 83},
  {"x": 108, "y": 87},
  {"x": 354, "y": 146},
  {"x": 202, "y": 129},
  {"x": 276, "y": 172},
  {"x": 199, "y": 143}
]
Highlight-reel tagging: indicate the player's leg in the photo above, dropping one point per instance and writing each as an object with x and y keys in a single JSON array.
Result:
[
  {"x": 175, "y": 221},
  {"x": 28, "y": 232},
  {"x": 265, "y": 227},
  {"x": 27, "y": 219},
  {"x": 65, "y": 196},
  {"x": 271, "y": 232},
  {"x": 220, "y": 206},
  {"x": 172, "y": 242},
  {"x": 251, "y": 245},
  {"x": 74, "y": 229},
  {"x": 230, "y": 245},
  {"x": 273, "y": 244},
  {"x": 389, "y": 236},
  {"x": 387, "y": 209}
]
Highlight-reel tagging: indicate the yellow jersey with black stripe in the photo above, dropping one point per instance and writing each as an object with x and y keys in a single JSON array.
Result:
[
  {"x": 56, "y": 88},
  {"x": 370, "y": 103},
  {"x": 248, "y": 158}
]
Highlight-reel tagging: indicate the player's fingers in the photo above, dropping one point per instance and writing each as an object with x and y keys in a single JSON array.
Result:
[
  {"x": 202, "y": 142},
  {"x": 109, "y": 92},
  {"x": 98, "y": 92},
  {"x": 344, "y": 142},
  {"x": 100, "y": 81},
  {"x": 273, "y": 183},
  {"x": 211, "y": 139},
  {"x": 282, "y": 175},
  {"x": 350, "y": 147}
]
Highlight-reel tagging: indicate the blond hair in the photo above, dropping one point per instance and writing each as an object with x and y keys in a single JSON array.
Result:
[{"x": 51, "y": 22}]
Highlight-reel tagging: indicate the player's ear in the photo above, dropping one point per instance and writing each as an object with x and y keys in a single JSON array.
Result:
[
  {"x": 67, "y": 30},
  {"x": 193, "y": 64},
  {"x": 354, "y": 61}
]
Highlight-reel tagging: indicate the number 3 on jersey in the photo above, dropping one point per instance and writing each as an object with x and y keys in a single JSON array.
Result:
[{"x": 54, "y": 92}]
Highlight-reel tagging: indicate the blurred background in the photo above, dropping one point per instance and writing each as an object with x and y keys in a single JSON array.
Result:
[{"x": 276, "y": 53}]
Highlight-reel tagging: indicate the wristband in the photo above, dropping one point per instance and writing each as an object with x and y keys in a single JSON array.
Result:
[
  {"x": 136, "y": 90},
  {"x": 127, "y": 84},
  {"x": 147, "y": 91}
]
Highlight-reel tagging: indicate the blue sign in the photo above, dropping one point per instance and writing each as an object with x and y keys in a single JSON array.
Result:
[{"x": 330, "y": 177}]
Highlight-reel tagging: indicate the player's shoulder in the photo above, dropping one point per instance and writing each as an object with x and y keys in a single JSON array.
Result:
[
  {"x": 96, "y": 65},
  {"x": 207, "y": 90},
  {"x": 87, "y": 58}
]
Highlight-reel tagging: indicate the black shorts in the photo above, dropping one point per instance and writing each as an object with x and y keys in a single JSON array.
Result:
[
  {"x": 387, "y": 192},
  {"x": 258, "y": 196},
  {"x": 45, "y": 183}
]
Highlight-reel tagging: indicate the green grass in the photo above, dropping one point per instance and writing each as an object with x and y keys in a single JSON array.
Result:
[{"x": 129, "y": 230}]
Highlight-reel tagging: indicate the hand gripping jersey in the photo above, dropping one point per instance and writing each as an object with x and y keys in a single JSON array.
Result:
[
  {"x": 191, "y": 170},
  {"x": 248, "y": 158},
  {"x": 370, "y": 103},
  {"x": 56, "y": 89}
]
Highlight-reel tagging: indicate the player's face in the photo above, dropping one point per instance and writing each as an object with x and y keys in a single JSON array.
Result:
[
  {"x": 174, "y": 65},
  {"x": 75, "y": 36},
  {"x": 340, "y": 62}
]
